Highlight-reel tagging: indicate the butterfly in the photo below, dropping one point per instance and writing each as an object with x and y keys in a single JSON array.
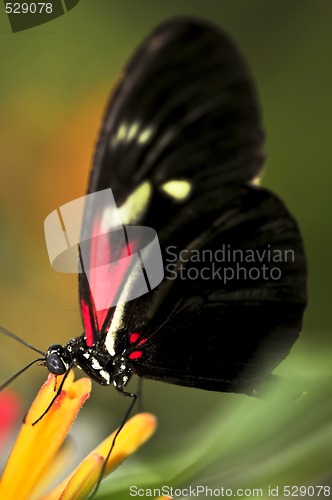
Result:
[{"x": 181, "y": 149}]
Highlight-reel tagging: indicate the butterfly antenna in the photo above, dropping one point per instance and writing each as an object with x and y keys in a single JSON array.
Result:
[
  {"x": 15, "y": 337},
  {"x": 11, "y": 379},
  {"x": 58, "y": 392}
]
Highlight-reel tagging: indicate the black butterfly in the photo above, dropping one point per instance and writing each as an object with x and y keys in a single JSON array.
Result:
[{"x": 181, "y": 149}]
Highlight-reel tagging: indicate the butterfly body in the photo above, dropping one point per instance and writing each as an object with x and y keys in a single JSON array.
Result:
[{"x": 97, "y": 363}]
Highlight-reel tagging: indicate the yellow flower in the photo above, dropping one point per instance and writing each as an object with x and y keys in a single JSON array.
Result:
[{"x": 37, "y": 447}]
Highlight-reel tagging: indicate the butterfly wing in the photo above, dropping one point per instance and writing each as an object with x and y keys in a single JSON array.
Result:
[{"x": 180, "y": 143}]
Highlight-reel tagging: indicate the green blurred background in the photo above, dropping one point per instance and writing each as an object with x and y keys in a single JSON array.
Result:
[{"x": 55, "y": 81}]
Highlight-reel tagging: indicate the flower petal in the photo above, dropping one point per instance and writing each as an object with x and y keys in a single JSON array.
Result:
[
  {"x": 9, "y": 411},
  {"x": 37, "y": 445},
  {"x": 77, "y": 486}
]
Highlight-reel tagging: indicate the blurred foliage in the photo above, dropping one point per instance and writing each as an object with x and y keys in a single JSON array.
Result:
[{"x": 55, "y": 81}]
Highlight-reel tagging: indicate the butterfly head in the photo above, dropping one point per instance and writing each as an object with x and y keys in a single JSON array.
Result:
[{"x": 55, "y": 360}]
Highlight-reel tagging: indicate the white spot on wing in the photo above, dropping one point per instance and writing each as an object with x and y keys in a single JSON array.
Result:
[
  {"x": 145, "y": 135},
  {"x": 256, "y": 181},
  {"x": 178, "y": 189},
  {"x": 136, "y": 204},
  {"x": 122, "y": 132},
  {"x": 132, "y": 131},
  {"x": 117, "y": 323}
]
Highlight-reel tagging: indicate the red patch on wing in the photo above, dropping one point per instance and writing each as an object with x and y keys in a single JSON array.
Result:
[
  {"x": 108, "y": 268},
  {"x": 106, "y": 280},
  {"x": 87, "y": 321},
  {"x": 100, "y": 251},
  {"x": 135, "y": 355},
  {"x": 133, "y": 337}
]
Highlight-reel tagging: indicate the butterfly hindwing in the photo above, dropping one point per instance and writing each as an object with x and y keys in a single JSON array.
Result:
[{"x": 228, "y": 321}]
